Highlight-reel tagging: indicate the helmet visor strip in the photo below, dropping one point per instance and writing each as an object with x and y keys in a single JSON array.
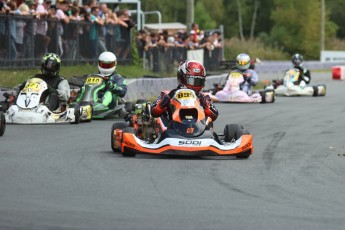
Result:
[
  {"x": 107, "y": 65},
  {"x": 195, "y": 80}
]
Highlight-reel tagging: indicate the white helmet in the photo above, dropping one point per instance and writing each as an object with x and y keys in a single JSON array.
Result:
[
  {"x": 243, "y": 61},
  {"x": 107, "y": 63}
]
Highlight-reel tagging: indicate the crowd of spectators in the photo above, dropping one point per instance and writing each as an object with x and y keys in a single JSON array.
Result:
[
  {"x": 55, "y": 28},
  {"x": 191, "y": 40}
]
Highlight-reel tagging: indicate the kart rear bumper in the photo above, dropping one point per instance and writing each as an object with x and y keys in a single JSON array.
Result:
[{"x": 40, "y": 115}]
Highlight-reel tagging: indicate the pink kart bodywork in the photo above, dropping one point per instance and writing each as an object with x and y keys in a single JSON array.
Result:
[{"x": 232, "y": 93}]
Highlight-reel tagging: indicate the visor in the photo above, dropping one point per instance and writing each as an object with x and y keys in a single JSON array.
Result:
[
  {"x": 106, "y": 65},
  {"x": 195, "y": 80},
  {"x": 243, "y": 62}
]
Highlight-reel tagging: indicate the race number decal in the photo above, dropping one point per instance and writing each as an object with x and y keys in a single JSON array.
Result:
[
  {"x": 32, "y": 87},
  {"x": 184, "y": 95},
  {"x": 235, "y": 75},
  {"x": 93, "y": 80}
]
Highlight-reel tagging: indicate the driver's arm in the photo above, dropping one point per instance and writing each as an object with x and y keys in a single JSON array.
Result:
[{"x": 63, "y": 91}]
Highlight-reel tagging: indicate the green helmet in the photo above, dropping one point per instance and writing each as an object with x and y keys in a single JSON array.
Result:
[{"x": 50, "y": 64}]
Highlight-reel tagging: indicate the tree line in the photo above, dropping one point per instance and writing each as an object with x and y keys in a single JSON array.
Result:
[{"x": 293, "y": 25}]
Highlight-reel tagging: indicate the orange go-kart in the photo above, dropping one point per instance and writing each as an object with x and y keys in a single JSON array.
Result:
[{"x": 188, "y": 133}]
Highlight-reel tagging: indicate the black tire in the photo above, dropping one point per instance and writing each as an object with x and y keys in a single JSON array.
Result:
[
  {"x": 129, "y": 130},
  {"x": 141, "y": 101},
  {"x": 232, "y": 132},
  {"x": 3, "y": 106},
  {"x": 129, "y": 106},
  {"x": 76, "y": 114},
  {"x": 315, "y": 88},
  {"x": 263, "y": 96},
  {"x": 117, "y": 125},
  {"x": 2, "y": 124}
]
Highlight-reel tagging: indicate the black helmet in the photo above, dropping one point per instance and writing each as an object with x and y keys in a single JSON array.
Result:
[
  {"x": 297, "y": 59},
  {"x": 50, "y": 64}
]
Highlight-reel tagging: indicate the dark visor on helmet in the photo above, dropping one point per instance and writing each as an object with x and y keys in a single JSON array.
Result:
[
  {"x": 106, "y": 65},
  {"x": 195, "y": 80}
]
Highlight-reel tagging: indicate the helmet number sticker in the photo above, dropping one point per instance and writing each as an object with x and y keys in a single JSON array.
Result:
[{"x": 93, "y": 80}]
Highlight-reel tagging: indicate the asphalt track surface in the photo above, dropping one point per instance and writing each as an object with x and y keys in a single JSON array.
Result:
[{"x": 67, "y": 177}]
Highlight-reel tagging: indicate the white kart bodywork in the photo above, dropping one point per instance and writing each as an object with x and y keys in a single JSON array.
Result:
[
  {"x": 29, "y": 108},
  {"x": 290, "y": 89},
  {"x": 232, "y": 93}
]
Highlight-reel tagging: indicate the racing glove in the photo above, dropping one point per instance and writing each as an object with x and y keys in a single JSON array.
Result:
[
  {"x": 306, "y": 79},
  {"x": 204, "y": 100},
  {"x": 52, "y": 90},
  {"x": 165, "y": 101},
  {"x": 110, "y": 85},
  {"x": 302, "y": 84}
]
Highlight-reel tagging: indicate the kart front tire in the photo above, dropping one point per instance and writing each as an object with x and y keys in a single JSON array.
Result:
[
  {"x": 232, "y": 132},
  {"x": 2, "y": 124},
  {"x": 133, "y": 131},
  {"x": 76, "y": 114},
  {"x": 117, "y": 125}
]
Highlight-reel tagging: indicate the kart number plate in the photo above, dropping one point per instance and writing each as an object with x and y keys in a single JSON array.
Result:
[
  {"x": 184, "y": 95},
  {"x": 93, "y": 80},
  {"x": 235, "y": 75},
  {"x": 32, "y": 87}
]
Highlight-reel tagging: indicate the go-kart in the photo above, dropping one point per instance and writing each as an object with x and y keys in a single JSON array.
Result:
[
  {"x": 287, "y": 87},
  {"x": 30, "y": 107},
  {"x": 231, "y": 92},
  {"x": 189, "y": 133},
  {"x": 2, "y": 124},
  {"x": 90, "y": 102},
  {"x": 10, "y": 98}
]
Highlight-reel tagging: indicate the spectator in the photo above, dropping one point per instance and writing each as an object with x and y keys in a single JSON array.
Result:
[
  {"x": 141, "y": 42},
  {"x": 41, "y": 38},
  {"x": 111, "y": 21},
  {"x": 62, "y": 7},
  {"x": 126, "y": 22},
  {"x": 71, "y": 34},
  {"x": 216, "y": 39},
  {"x": 97, "y": 46},
  {"x": 192, "y": 41}
]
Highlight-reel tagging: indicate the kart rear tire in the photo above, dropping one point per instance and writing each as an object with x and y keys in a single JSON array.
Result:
[
  {"x": 263, "y": 96},
  {"x": 133, "y": 131},
  {"x": 2, "y": 124},
  {"x": 141, "y": 101},
  {"x": 117, "y": 125},
  {"x": 232, "y": 132},
  {"x": 129, "y": 106}
]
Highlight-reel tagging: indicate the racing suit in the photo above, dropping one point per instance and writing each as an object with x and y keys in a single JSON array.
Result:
[
  {"x": 304, "y": 76},
  {"x": 251, "y": 78},
  {"x": 160, "y": 105},
  {"x": 116, "y": 86},
  {"x": 58, "y": 92}
]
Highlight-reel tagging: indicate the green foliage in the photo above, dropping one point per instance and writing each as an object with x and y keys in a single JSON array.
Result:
[
  {"x": 298, "y": 28},
  {"x": 255, "y": 49},
  {"x": 203, "y": 18}
]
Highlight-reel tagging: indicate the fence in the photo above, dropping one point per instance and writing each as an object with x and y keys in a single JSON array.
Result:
[
  {"x": 165, "y": 59},
  {"x": 24, "y": 39}
]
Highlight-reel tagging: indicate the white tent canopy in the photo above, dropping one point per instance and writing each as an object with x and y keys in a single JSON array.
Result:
[{"x": 170, "y": 27}]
